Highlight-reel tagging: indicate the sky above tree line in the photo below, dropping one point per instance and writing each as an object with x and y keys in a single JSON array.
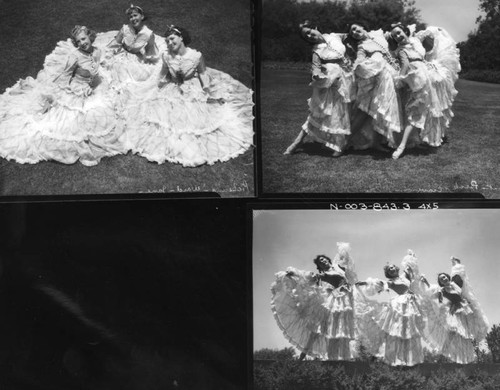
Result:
[{"x": 458, "y": 17}]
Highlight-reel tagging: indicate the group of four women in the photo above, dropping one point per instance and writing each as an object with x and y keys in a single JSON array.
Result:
[
  {"x": 328, "y": 314},
  {"x": 100, "y": 95},
  {"x": 371, "y": 89}
]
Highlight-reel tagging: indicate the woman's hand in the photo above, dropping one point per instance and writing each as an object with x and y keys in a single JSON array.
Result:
[{"x": 424, "y": 281}]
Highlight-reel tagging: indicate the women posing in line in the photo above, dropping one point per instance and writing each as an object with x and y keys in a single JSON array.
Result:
[
  {"x": 332, "y": 82},
  {"x": 65, "y": 114},
  {"x": 191, "y": 115},
  {"x": 315, "y": 311}
]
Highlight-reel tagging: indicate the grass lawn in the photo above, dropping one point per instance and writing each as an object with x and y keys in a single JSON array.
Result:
[
  {"x": 468, "y": 162},
  {"x": 220, "y": 29}
]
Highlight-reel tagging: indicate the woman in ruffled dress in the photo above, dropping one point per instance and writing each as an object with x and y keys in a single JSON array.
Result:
[
  {"x": 65, "y": 114},
  {"x": 394, "y": 330},
  {"x": 332, "y": 82},
  {"x": 429, "y": 80},
  {"x": 132, "y": 53},
  {"x": 192, "y": 115},
  {"x": 462, "y": 320},
  {"x": 377, "y": 114},
  {"x": 315, "y": 311}
]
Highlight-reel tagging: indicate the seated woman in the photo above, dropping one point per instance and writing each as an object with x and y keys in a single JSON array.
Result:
[
  {"x": 191, "y": 115},
  {"x": 429, "y": 86},
  {"x": 66, "y": 114},
  {"x": 377, "y": 113},
  {"x": 332, "y": 81},
  {"x": 133, "y": 52}
]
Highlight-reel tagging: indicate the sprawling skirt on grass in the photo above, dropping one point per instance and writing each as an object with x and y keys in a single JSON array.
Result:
[
  {"x": 430, "y": 80},
  {"x": 316, "y": 319},
  {"x": 394, "y": 330},
  {"x": 181, "y": 122},
  {"x": 66, "y": 114},
  {"x": 461, "y": 320}
]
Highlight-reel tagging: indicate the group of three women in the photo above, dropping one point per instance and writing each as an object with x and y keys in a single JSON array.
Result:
[
  {"x": 328, "y": 314},
  {"x": 373, "y": 88},
  {"x": 100, "y": 95}
]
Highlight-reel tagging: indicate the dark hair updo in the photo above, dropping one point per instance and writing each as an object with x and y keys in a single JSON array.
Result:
[
  {"x": 405, "y": 29},
  {"x": 179, "y": 31},
  {"x": 317, "y": 259},
  {"x": 79, "y": 29},
  {"x": 387, "y": 270}
]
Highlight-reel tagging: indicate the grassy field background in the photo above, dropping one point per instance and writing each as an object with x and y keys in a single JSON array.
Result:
[
  {"x": 468, "y": 162},
  {"x": 220, "y": 29}
]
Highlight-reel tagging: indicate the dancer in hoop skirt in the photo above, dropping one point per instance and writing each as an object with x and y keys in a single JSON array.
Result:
[
  {"x": 394, "y": 329},
  {"x": 429, "y": 68},
  {"x": 461, "y": 319},
  {"x": 65, "y": 114},
  {"x": 192, "y": 115},
  {"x": 332, "y": 89},
  {"x": 315, "y": 311},
  {"x": 377, "y": 114}
]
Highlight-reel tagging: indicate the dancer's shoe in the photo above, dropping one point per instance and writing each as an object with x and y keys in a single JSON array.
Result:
[{"x": 398, "y": 152}]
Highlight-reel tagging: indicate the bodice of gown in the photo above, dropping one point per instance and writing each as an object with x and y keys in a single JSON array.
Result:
[
  {"x": 335, "y": 276},
  {"x": 399, "y": 285},
  {"x": 331, "y": 50},
  {"x": 80, "y": 71},
  {"x": 183, "y": 67},
  {"x": 414, "y": 50},
  {"x": 142, "y": 41},
  {"x": 454, "y": 295},
  {"x": 375, "y": 45}
]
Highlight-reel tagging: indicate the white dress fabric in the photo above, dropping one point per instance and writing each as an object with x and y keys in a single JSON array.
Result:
[
  {"x": 131, "y": 56},
  {"x": 193, "y": 116},
  {"x": 430, "y": 79},
  {"x": 332, "y": 85},
  {"x": 394, "y": 330},
  {"x": 65, "y": 114},
  {"x": 461, "y": 319},
  {"x": 316, "y": 311},
  {"x": 376, "y": 90}
]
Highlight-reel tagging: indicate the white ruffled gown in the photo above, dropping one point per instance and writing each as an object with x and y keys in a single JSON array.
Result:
[
  {"x": 461, "y": 319},
  {"x": 196, "y": 116},
  {"x": 376, "y": 90},
  {"x": 430, "y": 78},
  {"x": 332, "y": 85},
  {"x": 65, "y": 114},
  {"x": 394, "y": 330},
  {"x": 317, "y": 317}
]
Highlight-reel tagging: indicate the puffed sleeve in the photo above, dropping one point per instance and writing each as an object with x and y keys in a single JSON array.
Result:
[
  {"x": 66, "y": 74},
  {"x": 202, "y": 74}
]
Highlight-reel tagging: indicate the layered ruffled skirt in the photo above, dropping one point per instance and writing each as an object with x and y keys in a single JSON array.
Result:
[
  {"x": 377, "y": 96},
  {"x": 317, "y": 320},
  {"x": 183, "y": 124},
  {"x": 394, "y": 330},
  {"x": 328, "y": 121},
  {"x": 40, "y": 120}
]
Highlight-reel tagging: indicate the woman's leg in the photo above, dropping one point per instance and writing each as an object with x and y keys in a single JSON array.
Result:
[
  {"x": 399, "y": 151},
  {"x": 296, "y": 143}
]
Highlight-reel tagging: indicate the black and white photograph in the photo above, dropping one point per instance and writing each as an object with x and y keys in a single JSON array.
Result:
[
  {"x": 401, "y": 298},
  {"x": 382, "y": 96},
  {"x": 123, "y": 295},
  {"x": 113, "y": 97}
]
